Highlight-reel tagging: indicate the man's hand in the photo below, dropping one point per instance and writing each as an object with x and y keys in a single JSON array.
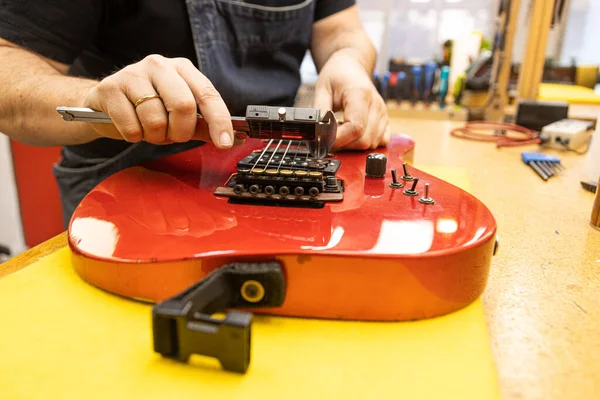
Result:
[
  {"x": 344, "y": 84},
  {"x": 169, "y": 119},
  {"x": 345, "y": 58}
]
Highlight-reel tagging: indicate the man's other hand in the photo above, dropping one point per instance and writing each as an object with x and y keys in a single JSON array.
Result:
[
  {"x": 344, "y": 84},
  {"x": 172, "y": 117}
]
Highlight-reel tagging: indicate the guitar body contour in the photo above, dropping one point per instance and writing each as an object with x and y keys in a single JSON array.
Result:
[{"x": 149, "y": 232}]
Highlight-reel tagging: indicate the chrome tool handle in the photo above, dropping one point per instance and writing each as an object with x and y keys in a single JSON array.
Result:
[{"x": 83, "y": 114}]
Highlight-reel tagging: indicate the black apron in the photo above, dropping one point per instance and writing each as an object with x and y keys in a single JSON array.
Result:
[{"x": 250, "y": 53}]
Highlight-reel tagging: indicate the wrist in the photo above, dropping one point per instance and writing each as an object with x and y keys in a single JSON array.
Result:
[{"x": 351, "y": 54}]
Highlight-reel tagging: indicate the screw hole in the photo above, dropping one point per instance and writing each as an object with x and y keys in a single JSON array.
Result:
[
  {"x": 310, "y": 117},
  {"x": 252, "y": 291}
]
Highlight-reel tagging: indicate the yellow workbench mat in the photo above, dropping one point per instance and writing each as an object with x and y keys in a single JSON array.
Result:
[
  {"x": 572, "y": 94},
  {"x": 61, "y": 338}
]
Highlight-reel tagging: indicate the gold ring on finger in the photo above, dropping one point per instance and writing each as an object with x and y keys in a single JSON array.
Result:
[{"x": 143, "y": 99}]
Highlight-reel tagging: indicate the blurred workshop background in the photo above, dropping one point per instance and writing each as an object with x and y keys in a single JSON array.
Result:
[{"x": 410, "y": 36}]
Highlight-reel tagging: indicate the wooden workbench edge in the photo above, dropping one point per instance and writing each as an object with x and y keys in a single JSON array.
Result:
[{"x": 22, "y": 260}]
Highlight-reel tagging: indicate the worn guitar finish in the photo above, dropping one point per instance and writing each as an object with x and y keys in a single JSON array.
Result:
[{"x": 149, "y": 232}]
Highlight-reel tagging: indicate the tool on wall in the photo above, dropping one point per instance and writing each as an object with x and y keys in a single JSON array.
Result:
[
  {"x": 443, "y": 85},
  {"x": 497, "y": 98},
  {"x": 429, "y": 71},
  {"x": 410, "y": 86}
]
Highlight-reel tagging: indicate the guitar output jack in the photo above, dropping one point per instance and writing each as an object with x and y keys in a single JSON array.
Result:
[{"x": 252, "y": 291}]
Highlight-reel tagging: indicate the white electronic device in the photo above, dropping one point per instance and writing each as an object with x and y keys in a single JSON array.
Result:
[{"x": 567, "y": 134}]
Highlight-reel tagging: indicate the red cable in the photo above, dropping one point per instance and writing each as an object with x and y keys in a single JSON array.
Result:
[{"x": 467, "y": 132}]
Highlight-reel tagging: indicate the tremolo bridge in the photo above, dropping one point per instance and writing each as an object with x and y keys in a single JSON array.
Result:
[{"x": 284, "y": 174}]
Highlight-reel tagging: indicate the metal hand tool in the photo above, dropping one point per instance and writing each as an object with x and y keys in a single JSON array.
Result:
[{"x": 262, "y": 122}]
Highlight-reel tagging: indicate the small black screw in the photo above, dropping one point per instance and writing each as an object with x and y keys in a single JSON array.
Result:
[
  {"x": 395, "y": 184},
  {"x": 251, "y": 290},
  {"x": 407, "y": 176},
  {"x": 412, "y": 191},
  {"x": 426, "y": 199}
]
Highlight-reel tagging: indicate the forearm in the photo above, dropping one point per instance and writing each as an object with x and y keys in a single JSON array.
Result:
[
  {"x": 34, "y": 90},
  {"x": 342, "y": 33}
]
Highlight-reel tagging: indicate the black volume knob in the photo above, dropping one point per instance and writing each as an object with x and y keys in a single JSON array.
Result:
[
  {"x": 331, "y": 182},
  {"x": 376, "y": 164}
]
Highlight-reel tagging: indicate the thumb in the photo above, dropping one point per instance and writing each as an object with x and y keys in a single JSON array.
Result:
[
  {"x": 356, "y": 114},
  {"x": 323, "y": 98}
]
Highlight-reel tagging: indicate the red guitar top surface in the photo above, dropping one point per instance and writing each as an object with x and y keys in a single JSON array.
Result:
[{"x": 150, "y": 231}]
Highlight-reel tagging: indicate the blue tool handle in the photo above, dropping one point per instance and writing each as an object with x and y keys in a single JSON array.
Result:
[
  {"x": 530, "y": 156},
  {"x": 444, "y": 78},
  {"x": 417, "y": 70},
  {"x": 401, "y": 93},
  {"x": 384, "y": 85},
  {"x": 430, "y": 69}
]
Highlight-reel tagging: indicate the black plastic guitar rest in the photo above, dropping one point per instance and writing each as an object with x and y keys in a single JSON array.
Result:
[{"x": 184, "y": 324}]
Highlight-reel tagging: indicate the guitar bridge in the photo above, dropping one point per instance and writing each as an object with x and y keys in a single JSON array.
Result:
[{"x": 284, "y": 177}]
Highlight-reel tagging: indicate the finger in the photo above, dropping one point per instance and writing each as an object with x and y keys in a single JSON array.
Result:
[
  {"x": 382, "y": 131},
  {"x": 356, "y": 104},
  {"x": 387, "y": 135},
  {"x": 323, "y": 98},
  {"x": 109, "y": 98},
  {"x": 212, "y": 107},
  {"x": 153, "y": 117},
  {"x": 179, "y": 102},
  {"x": 151, "y": 113},
  {"x": 377, "y": 134},
  {"x": 388, "y": 131},
  {"x": 369, "y": 135},
  {"x": 384, "y": 122}
]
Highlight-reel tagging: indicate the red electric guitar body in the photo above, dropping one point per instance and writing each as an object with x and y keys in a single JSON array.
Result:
[{"x": 149, "y": 232}]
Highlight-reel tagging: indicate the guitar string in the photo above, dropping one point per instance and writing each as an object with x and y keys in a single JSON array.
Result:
[
  {"x": 307, "y": 153},
  {"x": 261, "y": 154},
  {"x": 297, "y": 150},
  {"x": 284, "y": 154},
  {"x": 273, "y": 155},
  {"x": 293, "y": 163}
]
